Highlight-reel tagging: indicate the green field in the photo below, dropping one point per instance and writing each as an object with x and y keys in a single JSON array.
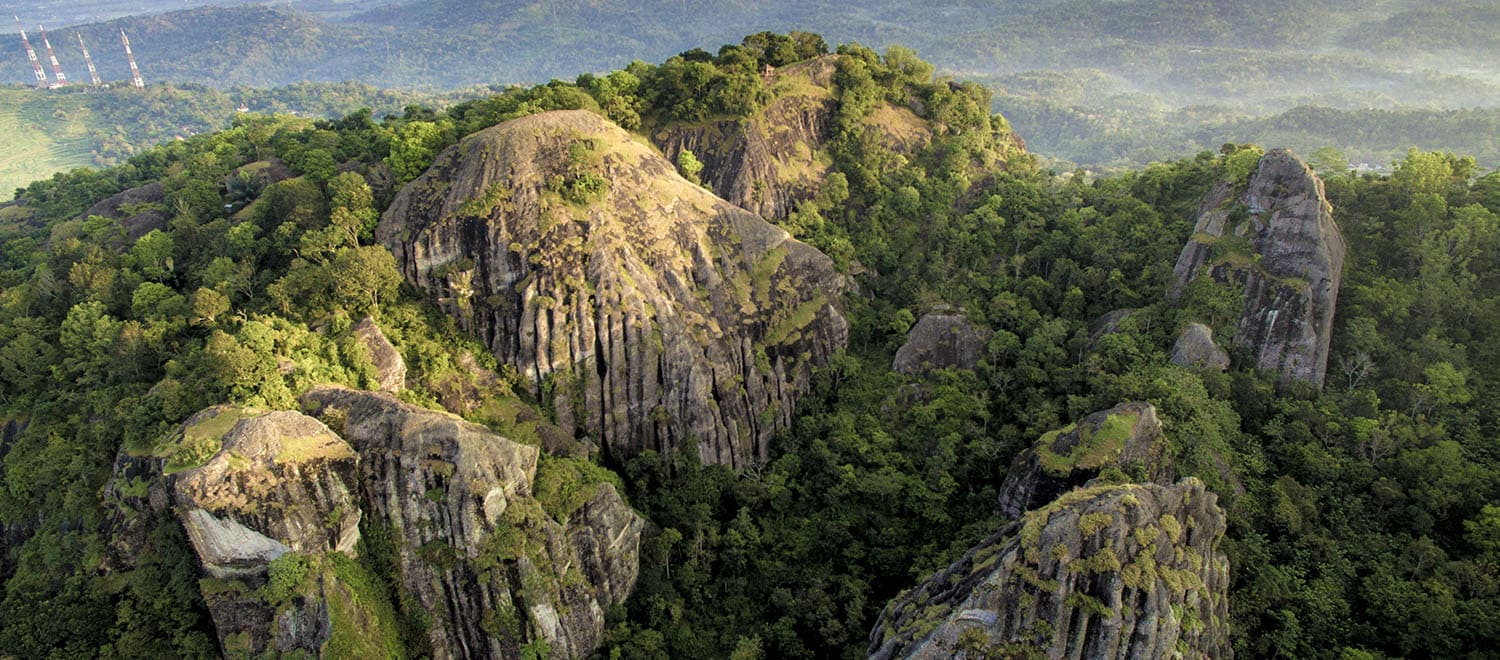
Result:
[{"x": 27, "y": 152}]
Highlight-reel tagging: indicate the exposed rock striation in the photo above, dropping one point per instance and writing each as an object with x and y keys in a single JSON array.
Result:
[
  {"x": 1125, "y": 571},
  {"x": 939, "y": 341},
  {"x": 654, "y": 314},
  {"x": 477, "y": 552},
  {"x": 474, "y": 551},
  {"x": 1195, "y": 347},
  {"x": 1127, "y": 437},
  {"x": 775, "y": 158},
  {"x": 277, "y": 482},
  {"x": 1277, "y": 239}
]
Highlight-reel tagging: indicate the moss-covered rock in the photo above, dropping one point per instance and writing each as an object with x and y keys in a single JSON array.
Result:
[
  {"x": 1097, "y": 573},
  {"x": 640, "y": 311},
  {"x": 1125, "y": 441},
  {"x": 1279, "y": 240}
]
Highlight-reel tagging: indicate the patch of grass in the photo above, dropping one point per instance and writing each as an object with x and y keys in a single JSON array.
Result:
[
  {"x": 363, "y": 618},
  {"x": 796, "y": 321},
  {"x": 38, "y": 145},
  {"x": 564, "y": 485},
  {"x": 198, "y": 443},
  {"x": 324, "y": 446},
  {"x": 761, "y": 272},
  {"x": 1096, "y": 446}
]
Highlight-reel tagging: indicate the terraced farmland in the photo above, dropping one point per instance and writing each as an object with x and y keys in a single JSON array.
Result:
[{"x": 27, "y": 152}]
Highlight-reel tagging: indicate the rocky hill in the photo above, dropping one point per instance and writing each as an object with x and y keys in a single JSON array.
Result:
[
  {"x": 1279, "y": 241},
  {"x": 653, "y": 314},
  {"x": 1128, "y": 571},
  {"x": 274, "y": 515}
]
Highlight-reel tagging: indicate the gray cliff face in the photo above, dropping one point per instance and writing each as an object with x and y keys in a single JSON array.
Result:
[
  {"x": 1195, "y": 347},
  {"x": 1127, "y": 437},
  {"x": 1279, "y": 240},
  {"x": 272, "y": 484},
  {"x": 279, "y": 482},
  {"x": 476, "y": 550},
  {"x": 1127, "y": 571},
  {"x": 940, "y": 341},
  {"x": 654, "y": 314},
  {"x": 765, "y": 163}
]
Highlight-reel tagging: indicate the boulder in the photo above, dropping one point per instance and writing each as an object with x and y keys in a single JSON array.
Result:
[
  {"x": 1127, "y": 437},
  {"x": 1115, "y": 571},
  {"x": 248, "y": 487},
  {"x": 272, "y": 504},
  {"x": 276, "y": 482},
  {"x": 1195, "y": 347},
  {"x": 139, "y": 209},
  {"x": 1278, "y": 239},
  {"x": 940, "y": 341},
  {"x": 390, "y": 368},
  {"x": 1108, "y": 324},
  {"x": 652, "y": 313}
]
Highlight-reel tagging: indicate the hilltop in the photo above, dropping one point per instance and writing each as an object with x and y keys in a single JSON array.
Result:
[{"x": 782, "y": 350}]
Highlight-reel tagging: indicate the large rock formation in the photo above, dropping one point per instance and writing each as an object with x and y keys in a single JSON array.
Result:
[
  {"x": 250, "y": 489},
  {"x": 1126, "y": 571},
  {"x": 1278, "y": 239},
  {"x": 1127, "y": 437},
  {"x": 1195, "y": 347},
  {"x": 478, "y": 552},
  {"x": 938, "y": 341},
  {"x": 654, "y": 314},
  {"x": 272, "y": 504}
]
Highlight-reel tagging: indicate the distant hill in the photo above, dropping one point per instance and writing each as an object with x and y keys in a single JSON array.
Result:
[
  {"x": 1150, "y": 77},
  {"x": 48, "y": 132}
]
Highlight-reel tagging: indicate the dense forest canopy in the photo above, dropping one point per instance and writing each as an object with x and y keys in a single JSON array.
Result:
[{"x": 1362, "y": 521}]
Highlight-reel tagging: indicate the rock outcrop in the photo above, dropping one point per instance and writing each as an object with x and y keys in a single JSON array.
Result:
[
  {"x": 1127, "y": 437},
  {"x": 272, "y": 504},
  {"x": 1108, "y": 324},
  {"x": 775, "y": 158},
  {"x": 477, "y": 550},
  {"x": 276, "y": 482},
  {"x": 1124, "y": 571},
  {"x": 390, "y": 367},
  {"x": 940, "y": 341},
  {"x": 1277, "y": 239},
  {"x": 654, "y": 314},
  {"x": 1195, "y": 347},
  {"x": 138, "y": 210}
]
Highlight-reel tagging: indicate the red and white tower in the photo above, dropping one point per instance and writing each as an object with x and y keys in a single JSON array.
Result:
[
  {"x": 93, "y": 75},
  {"x": 135, "y": 73},
  {"x": 56, "y": 68},
  {"x": 36, "y": 65}
]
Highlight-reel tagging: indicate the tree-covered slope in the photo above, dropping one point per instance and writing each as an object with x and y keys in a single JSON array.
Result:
[{"x": 1360, "y": 517}]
